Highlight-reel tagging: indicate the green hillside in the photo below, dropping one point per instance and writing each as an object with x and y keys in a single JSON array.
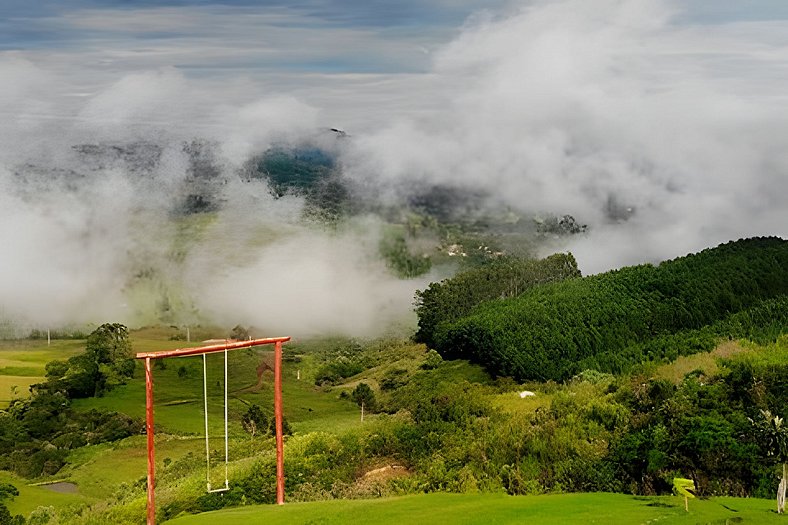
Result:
[
  {"x": 496, "y": 509},
  {"x": 439, "y": 426},
  {"x": 694, "y": 395},
  {"x": 605, "y": 321}
]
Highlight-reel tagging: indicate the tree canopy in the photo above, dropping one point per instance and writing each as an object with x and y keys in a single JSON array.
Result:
[
  {"x": 451, "y": 299},
  {"x": 106, "y": 363},
  {"x": 612, "y": 320}
]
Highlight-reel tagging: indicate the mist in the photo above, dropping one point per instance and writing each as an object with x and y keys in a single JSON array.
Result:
[{"x": 663, "y": 136}]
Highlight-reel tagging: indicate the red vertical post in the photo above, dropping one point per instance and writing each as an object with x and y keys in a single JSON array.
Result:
[
  {"x": 280, "y": 455},
  {"x": 149, "y": 432},
  {"x": 180, "y": 352}
]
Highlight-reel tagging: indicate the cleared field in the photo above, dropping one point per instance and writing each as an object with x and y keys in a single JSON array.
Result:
[
  {"x": 35, "y": 354},
  {"x": 16, "y": 386},
  {"x": 178, "y": 394},
  {"x": 22, "y": 363},
  {"x": 705, "y": 362},
  {"x": 100, "y": 471},
  {"x": 487, "y": 509},
  {"x": 32, "y": 496}
]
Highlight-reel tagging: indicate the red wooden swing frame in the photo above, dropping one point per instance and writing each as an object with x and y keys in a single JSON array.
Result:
[{"x": 201, "y": 350}]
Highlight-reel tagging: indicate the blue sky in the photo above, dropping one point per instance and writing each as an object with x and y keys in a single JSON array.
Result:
[
  {"x": 329, "y": 36},
  {"x": 315, "y": 26}
]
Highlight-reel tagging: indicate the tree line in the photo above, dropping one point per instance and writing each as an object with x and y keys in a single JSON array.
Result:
[
  {"x": 452, "y": 299},
  {"x": 606, "y": 321},
  {"x": 36, "y": 434}
]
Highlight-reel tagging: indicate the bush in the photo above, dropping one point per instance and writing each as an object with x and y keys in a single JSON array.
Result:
[
  {"x": 7, "y": 519},
  {"x": 432, "y": 361},
  {"x": 8, "y": 491},
  {"x": 334, "y": 372},
  {"x": 364, "y": 397},
  {"x": 41, "y": 515},
  {"x": 393, "y": 379},
  {"x": 254, "y": 420}
]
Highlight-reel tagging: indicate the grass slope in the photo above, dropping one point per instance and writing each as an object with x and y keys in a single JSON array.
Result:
[
  {"x": 179, "y": 399},
  {"x": 100, "y": 469},
  {"x": 490, "y": 509},
  {"x": 22, "y": 364},
  {"x": 106, "y": 472},
  {"x": 33, "y": 496}
]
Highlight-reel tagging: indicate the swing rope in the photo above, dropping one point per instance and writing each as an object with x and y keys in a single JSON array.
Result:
[{"x": 207, "y": 444}]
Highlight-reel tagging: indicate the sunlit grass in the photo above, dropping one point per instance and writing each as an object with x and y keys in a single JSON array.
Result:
[
  {"x": 490, "y": 509},
  {"x": 705, "y": 362},
  {"x": 12, "y": 386},
  {"x": 33, "y": 355},
  {"x": 23, "y": 362},
  {"x": 32, "y": 496},
  {"x": 179, "y": 400}
]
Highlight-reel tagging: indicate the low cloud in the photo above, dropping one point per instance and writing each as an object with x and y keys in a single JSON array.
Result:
[
  {"x": 563, "y": 107},
  {"x": 574, "y": 106},
  {"x": 310, "y": 284},
  {"x": 92, "y": 220}
]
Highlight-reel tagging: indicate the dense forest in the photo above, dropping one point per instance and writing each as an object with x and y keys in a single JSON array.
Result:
[
  {"x": 455, "y": 298},
  {"x": 611, "y": 321}
]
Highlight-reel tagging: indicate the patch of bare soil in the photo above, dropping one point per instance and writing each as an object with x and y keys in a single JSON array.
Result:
[{"x": 64, "y": 487}]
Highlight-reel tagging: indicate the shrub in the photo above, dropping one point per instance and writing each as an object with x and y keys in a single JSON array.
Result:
[
  {"x": 432, "y": 361},
  {"x": 254, "y": 420},
  {"x": 393, "y": 379},
  {"x": 364, "y": 396}
]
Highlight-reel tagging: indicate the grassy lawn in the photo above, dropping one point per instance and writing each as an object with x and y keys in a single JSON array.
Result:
[
  {"x": 100, "y": 470},
  {"x": 22, "y": 363},
  {"x": 609, "y": 509},
  {"x": 32, "y": 496},
  {"x": 33, "y": 355},
  {"x": 19, "y": 384},
  {"x": 178, "y": 394}
]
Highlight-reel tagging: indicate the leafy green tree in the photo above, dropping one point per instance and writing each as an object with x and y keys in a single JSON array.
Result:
[
  {"x": 11, "y": 431},
  {"x": 110, "y": 348},
  {"x": 45, "y": 413},
  {"x": 56, "y": 369},
  {"x": 106, "y": 363},
  {"x": 254, "y": 420},
  {"x": 364, "y": 397},
  {"x": 774, "y": 438},
  {"x": 401, "y": 261},
  {"x": 8, "y": 491},
  {"x": 451, "y": 299},
  {"x": 7, "y": 519}
]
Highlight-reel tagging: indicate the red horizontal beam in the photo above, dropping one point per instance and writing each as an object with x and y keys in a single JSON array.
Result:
[{"x": 199, "y": 350}]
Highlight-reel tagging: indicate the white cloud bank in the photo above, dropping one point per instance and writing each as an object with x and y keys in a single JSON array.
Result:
[
  {"x": 571, "y": 105},
  {"x": 562, "y": 106}
]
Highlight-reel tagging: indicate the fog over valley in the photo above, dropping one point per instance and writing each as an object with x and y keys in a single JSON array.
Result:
[{"x": 195, "y": 177}]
